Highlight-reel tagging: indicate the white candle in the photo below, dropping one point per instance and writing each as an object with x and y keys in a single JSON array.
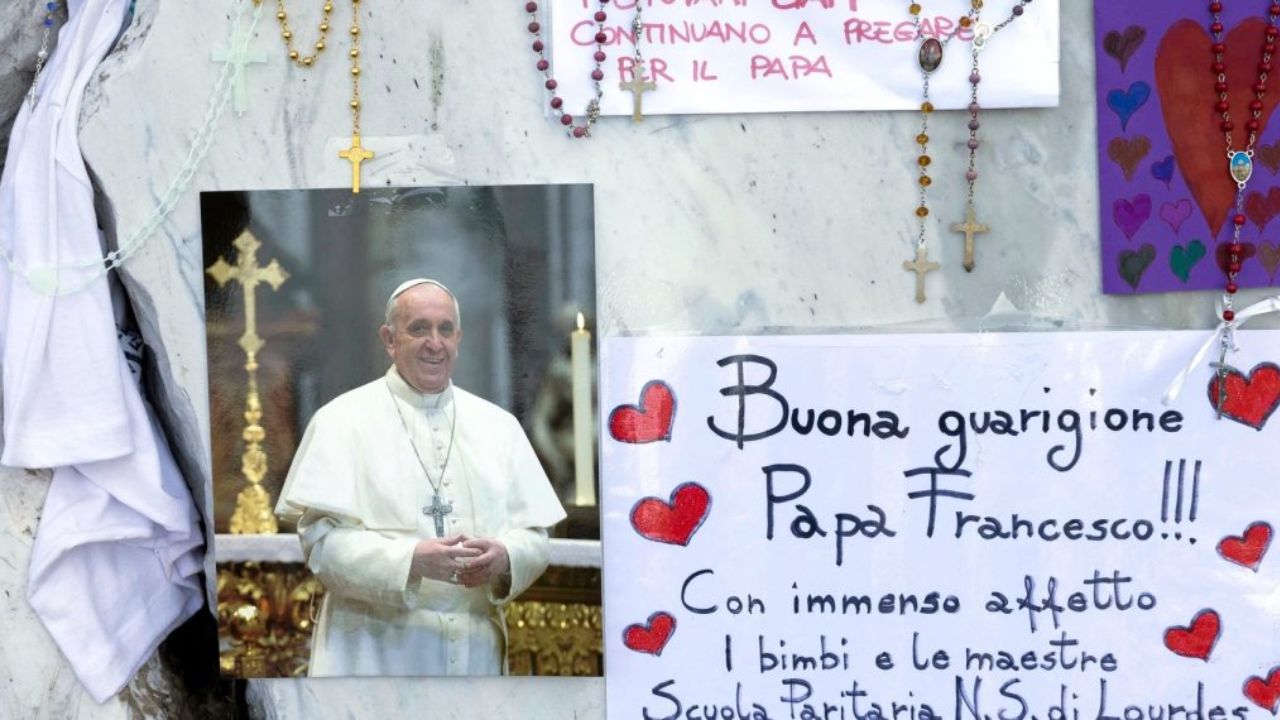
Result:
[{"x": 584, "y": 440}]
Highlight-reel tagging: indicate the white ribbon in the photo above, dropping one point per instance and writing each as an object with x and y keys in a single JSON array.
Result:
[{"x": 1270, "y": 305}]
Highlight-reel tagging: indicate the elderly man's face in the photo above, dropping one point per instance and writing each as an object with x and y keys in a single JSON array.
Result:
[{"x": 423, "y": 337}]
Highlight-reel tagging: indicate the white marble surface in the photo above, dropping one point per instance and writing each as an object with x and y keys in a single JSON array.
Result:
[{"x": 805, "y": 219}]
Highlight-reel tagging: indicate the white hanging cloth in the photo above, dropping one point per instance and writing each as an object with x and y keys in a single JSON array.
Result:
[
  {"x": 116, "y": 560},
  {"x": 55, "y": 346}
]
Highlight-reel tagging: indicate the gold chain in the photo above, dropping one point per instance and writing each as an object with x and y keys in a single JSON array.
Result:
[
  {"x": 287, "y": 33},
  {"x": 356, "y": 153},
  {"x": 354, "y": 54}
]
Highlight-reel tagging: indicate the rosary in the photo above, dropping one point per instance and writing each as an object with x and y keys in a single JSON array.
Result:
[
  {"x": 638, "y": 85},
  {"x": 43, "y": 53},
  {"x": 355, "y": 153},
  {"x": 1239, "y": 163},
  {"x": 930, "y": 57}
]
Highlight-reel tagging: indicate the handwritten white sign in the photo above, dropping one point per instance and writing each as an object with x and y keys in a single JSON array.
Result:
[
  {"x": 739, "y": 56},
  {"x": 951, "y": 527}
]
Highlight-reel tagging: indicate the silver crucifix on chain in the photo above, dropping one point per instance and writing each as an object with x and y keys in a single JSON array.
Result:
[{"x": 437, "y": 510}]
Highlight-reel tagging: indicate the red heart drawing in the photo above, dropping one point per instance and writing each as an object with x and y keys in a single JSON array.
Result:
[
  {"x": 1247, "y": 549},
  {"x": 648, "y": 422},
  {"x": 1197, "y": 639},
  {"x": 674, "y": 522},
  {"x": 1250, "y": 399},
  {"x": 652, "y": 636},
  {"x": 1186, "y": 93},
  {"x": 1265, "y": 694},
  {"x": 1262, "y": 209}
]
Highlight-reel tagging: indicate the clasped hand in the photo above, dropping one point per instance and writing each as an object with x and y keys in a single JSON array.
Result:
[{"x": 470, "y": 562}]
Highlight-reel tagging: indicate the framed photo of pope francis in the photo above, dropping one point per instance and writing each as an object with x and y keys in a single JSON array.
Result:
[{"x": 402, "y": 424}]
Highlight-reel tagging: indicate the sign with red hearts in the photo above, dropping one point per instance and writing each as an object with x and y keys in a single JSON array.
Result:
[{"x": 938, "y": 527}]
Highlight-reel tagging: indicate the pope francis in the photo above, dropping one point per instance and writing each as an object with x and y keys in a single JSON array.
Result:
[{"x": 421, "y": 508}]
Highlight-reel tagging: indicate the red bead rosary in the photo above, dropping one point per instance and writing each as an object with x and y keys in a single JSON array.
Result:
[
  {"x": 1240, "y": 162},
  {"x": 597, "y": 74}
]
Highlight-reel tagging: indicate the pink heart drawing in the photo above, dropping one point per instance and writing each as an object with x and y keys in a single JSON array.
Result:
[
  {"x": 1130, "y": 216},
  {"x": 1175, "y": 213}
]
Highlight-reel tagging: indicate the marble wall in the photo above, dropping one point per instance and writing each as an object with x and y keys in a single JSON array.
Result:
[{"x": 805, "y": 218}]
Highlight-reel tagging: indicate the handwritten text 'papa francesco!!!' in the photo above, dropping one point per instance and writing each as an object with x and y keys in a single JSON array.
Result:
[{"x": 763, "y": 412}]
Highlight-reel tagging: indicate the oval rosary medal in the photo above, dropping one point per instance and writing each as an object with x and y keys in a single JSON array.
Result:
[
  {"x": 930, "y": 55},
  {"x": 1241, "y": 167}
]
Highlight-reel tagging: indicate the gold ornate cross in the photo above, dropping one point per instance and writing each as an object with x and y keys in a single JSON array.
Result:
[
  {"x": 355, "y": 155},
  {"x": 969, "y": 227},
  {"x": 920, "y": 266},
  {"x": 249, "y": 273},
  {"x": 638, "y": 85},
  {"x": 253, "y": 513}
]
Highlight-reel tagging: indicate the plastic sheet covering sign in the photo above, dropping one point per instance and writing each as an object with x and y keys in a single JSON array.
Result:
[
  {"x": 740, "y": 56},
  {"x": 962, "y": 527}
]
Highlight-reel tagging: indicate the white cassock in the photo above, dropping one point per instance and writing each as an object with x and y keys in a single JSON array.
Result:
[{"x": 359, "y": 494}]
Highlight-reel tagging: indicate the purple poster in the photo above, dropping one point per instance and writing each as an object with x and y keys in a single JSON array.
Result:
[{"x": 1167, "y": 199}]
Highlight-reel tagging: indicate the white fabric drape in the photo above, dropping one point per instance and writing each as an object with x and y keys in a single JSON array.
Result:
[{"x": 117, "y": 555}]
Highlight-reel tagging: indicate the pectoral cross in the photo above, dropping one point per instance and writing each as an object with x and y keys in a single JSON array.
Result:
[
  {"x": 437, "y": 510},
  {"x": 638, "y": 85},
  {"x": 920, "y": 266},
  {"x": 239, "y": 56},
  {"x": 355, "y": 155},
  {"x": 969, "y": 227}
]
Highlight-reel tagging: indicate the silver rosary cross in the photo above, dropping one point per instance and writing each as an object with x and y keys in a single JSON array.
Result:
[{"x": 1223, "y": 368}]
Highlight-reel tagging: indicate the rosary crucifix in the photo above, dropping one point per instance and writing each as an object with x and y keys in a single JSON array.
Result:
[
  {"x": 969, "y": 227},
  {"x": 921, "y": 266},
  {"x": 638, "y": 85},
  {"x": 355, "y": 155},
  {"x": 238, "y": 55}
]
